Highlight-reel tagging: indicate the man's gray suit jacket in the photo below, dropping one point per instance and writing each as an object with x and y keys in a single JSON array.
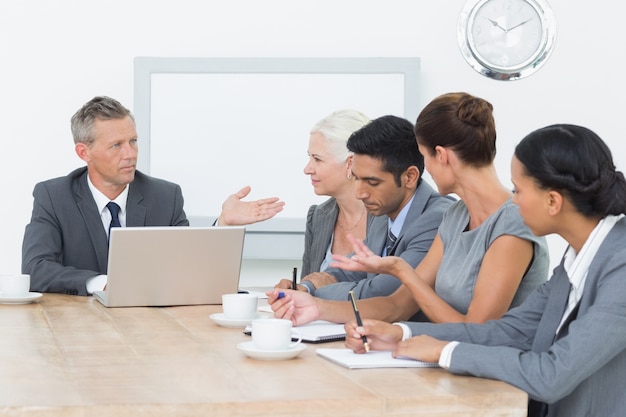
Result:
[
  {"x": 417, "y": 235},
  {"x": 580, "y": 372},
  {"x": 65, "y": 242}
]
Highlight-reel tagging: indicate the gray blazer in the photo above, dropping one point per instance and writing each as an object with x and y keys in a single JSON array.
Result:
[
  {"x": 320, "y": 224},
  {"x": 579, "y": 372},
  {"x": 414, "y": 241},
  {"x": 65, "y": 242}
]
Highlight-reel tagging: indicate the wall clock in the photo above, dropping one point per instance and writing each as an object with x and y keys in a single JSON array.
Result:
[{"x": 506, "y": 39}]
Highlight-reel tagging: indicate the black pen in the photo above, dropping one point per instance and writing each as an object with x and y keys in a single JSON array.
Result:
[
  {"x": 294, "y": 286},
  {"x": 358, "y": 320}
]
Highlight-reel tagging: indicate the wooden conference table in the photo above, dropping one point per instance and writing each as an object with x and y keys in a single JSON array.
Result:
[{"x": 70, "y": 356}]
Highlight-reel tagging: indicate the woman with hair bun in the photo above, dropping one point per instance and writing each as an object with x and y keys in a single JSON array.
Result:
[{"x": 566, "y": 344}]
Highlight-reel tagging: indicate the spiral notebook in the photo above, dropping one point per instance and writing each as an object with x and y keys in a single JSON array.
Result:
[{"x": 318, "y": 331}]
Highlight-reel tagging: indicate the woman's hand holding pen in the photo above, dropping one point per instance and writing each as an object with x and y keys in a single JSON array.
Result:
[
  {"x": 385, "y": 336},
  {"x": 380, "y": 335},
  {"x": 297, "y": 306}
]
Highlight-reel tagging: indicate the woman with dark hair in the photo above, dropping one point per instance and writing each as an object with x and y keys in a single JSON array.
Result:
[{"x": 566, "y": 344}]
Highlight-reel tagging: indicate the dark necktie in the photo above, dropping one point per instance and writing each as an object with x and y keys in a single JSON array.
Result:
[
  {"x": 115, "y": 220},
  {"x": 391, "y": 242}
]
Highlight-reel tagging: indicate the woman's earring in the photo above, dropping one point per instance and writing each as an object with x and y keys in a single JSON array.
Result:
[{"x": 349, "y": 176}]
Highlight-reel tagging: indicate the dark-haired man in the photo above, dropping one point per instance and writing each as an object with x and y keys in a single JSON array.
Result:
[{"x": 387, "y": 168}]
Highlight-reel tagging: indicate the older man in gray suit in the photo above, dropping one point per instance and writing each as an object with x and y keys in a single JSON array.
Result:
[{"x": 65, "y": 247}]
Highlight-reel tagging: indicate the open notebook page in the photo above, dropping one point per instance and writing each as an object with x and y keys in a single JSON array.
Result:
[{"x": 372, "y": 359}]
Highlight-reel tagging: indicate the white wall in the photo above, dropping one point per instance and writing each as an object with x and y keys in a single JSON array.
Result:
[{"x": 56, "y": 55}]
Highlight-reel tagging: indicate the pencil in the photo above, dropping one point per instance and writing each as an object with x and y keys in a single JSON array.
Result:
[
  {"x": 294, "y": 286},
  {"x": 358, "y": 320}
]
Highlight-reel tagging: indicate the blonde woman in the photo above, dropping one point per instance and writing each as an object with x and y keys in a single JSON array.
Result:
[{"x": 329, "y": 223}]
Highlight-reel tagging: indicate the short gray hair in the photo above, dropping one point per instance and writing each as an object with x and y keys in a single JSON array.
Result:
[
  {"x": 337, "y": 127},
  {"x": 98, "y": 108}
]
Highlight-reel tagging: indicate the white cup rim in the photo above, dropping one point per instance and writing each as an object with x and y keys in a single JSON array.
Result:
[
  {"x": 271, "y": 320},
  {"x": 240, "y": 295}
]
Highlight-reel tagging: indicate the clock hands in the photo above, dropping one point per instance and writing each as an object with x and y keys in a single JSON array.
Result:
[
  {"x": 495, "y": 23},
  {"x": 518, "y": 25},
  {"x": 505, "y": 30}
]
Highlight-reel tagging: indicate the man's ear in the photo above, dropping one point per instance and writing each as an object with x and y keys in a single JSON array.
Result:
[
  {"x": 412, "y": 175},
  {"x": 83, "y": 151}
]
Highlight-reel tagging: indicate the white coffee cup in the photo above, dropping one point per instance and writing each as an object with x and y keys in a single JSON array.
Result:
[
  {"x": 240, "y": 306},
  {"x": 14, "y": 285},
  {"x": 273, "y": 334}
]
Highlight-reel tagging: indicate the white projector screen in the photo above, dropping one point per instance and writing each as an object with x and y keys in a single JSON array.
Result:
[{"x": 213, "y": 125}]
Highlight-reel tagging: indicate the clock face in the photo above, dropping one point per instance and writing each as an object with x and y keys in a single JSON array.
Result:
[{"x": 506, "y": 39}]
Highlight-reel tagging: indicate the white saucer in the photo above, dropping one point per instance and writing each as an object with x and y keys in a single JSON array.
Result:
[
  {"x": 270, "y": 355},
  {"x": 25, "y": 299},
  {"x": 223, "y": 321}
]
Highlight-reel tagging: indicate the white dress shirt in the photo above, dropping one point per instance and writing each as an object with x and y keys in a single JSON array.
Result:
[
  {"x": 98, "y": 282},
  {"x": 577, "y": 264}
]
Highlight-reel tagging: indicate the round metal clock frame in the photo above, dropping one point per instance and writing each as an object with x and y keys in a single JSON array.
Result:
[{"x": 506, "y": 39}]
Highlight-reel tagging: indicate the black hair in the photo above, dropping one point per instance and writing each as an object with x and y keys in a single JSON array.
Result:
[
  {"x": 576, "y": 162},
  {"x": 391, "y": 140}
]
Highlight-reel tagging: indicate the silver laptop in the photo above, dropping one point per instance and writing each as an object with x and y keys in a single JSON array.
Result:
[{"x": 169, "y": 266}]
